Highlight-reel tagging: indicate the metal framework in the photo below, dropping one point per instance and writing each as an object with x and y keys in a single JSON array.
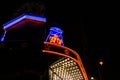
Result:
[{"x": 70, "y": 55}]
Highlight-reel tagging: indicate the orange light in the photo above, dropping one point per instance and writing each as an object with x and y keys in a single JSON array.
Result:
[
  {"x": 55, "y": 39},
  {"x": 101, "y": 63}
]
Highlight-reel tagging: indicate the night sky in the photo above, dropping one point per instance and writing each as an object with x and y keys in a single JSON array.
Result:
[{"x": 85, "y": 26}]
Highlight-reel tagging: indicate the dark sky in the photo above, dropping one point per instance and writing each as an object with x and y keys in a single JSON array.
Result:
[{"x": 85, "y": 26}]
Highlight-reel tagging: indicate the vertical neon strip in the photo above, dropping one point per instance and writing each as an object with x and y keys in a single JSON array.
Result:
[{"x": 3, "y": 36}]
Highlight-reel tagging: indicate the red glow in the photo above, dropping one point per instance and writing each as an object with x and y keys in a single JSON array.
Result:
[{"x": 25, "y": 21}]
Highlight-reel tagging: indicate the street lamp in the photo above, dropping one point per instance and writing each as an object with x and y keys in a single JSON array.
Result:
[
  {"x": 101, "y": 62},
  {"x": 100, "y": 69},
  {"x": 92, "y": 78}
]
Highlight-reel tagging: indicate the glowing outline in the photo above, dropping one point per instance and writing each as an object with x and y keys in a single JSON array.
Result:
[{"x": 23, "y": 16}]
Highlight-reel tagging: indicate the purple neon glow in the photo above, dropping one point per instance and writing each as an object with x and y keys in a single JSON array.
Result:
[{"x": 24, "y": 16}]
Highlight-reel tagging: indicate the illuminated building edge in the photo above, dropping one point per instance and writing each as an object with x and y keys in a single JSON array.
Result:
[
  {"x": 22, "y": 17},
  {"x": 20, "y": 20}
]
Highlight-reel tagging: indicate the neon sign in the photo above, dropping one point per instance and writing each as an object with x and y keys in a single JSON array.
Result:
[
  {"x": 55, "y": 39},
  {"x": 55, "y": 36}
]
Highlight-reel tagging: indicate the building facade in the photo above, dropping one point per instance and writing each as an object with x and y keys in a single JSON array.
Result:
[{"x": 38, "y": 54}]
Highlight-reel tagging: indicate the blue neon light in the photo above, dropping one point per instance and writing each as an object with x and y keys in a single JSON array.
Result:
[
  {"x": 3, "y": 36},
  {"x": 55, "y": 31},
  {"x": 23, "y": 16}
]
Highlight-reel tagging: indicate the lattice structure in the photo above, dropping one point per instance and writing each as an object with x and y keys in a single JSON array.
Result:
[{"x": 65, "y": 69}]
